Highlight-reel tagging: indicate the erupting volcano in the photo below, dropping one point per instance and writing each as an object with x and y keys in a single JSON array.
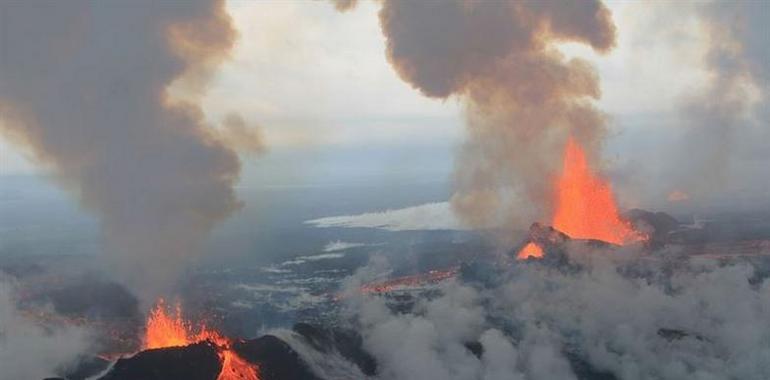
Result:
[
  {"x": 164, "y": 329},
  {"x": 585, "y": 204}
]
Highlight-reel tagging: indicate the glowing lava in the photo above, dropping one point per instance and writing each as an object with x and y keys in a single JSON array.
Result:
[
  {"x": 678, "y": 196},
  {"x": 585, "y": 204},
  {"x": 166, "y": 330},
  {"x": 531, "y": 250},
  {"x": 405, "y": 282}
]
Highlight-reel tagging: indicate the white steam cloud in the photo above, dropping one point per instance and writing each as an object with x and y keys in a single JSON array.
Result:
[
  {"x": 30, "y": 351},
  {"x": 429, "y": 216},
  {"x": 622, "y": 314},
  {"x": 727, "y": 120}
]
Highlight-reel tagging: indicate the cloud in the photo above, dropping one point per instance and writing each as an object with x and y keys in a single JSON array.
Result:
[
  {"x": 304, "y": 259},
  {"x": 236, "y": 133},
  {"x": 631, "y": 315},
  {"x": 89, "y": 89},
  {"x": 522, "y": 97},
  {"x": 338, "y": 245},
  {"x": 347, "y": 96},
  {"x": 429, "y": 216},
  {"x": 727, "y": 120},
  {"x": 31, "y": 351}
]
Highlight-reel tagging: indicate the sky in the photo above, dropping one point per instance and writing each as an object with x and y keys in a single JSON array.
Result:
[
  {"x": 331, "y": 109},
  {"x": 311, "y": 77}
]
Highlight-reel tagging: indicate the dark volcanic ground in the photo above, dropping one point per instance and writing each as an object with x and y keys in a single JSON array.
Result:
[{"x": 289, "y": 272}]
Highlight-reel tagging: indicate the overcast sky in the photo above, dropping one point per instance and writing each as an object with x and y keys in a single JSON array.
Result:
[{"x": 316, "y": 81}]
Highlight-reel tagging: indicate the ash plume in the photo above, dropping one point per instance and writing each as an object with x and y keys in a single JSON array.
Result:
[
  {"x": 522, "y": 97},
  {"x": 344, "y": 5},
  {"x": 728, "y": 123},
  {"x": 85, "y": 87},
  {"x": 236, "y": 133}
]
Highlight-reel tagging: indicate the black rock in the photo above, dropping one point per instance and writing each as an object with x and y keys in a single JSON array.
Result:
[
  {"x": 585, "y": 371},
  {"x": 94, "y": 297},
  {"x": 347, "y": 343},
  {"x": 657, "y": 224},
  {"x": 553, "y": 243},
  {"x": 675, "y": 334},
  {"x": 475, "y": 348},
  {"x": 275, "y": 358},
  {"x": 546, "y": 236},
  {"x": 482, "y": 272},
  {"x": 199, "y": 361},
  {"x": 83, "y": 368}
]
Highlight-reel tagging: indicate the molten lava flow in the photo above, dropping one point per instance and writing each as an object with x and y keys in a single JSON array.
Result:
[
  {"x": 585, "y": 204},
  {"x": 166, "y": 330},
  {"x": 531, "y": 250},
  {"x": 235, "y": 368},
  {"x": 405, "y": 282}
]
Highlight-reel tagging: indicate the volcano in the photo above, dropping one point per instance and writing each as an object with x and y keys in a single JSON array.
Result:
[
  {"x": 585, "y": 213},
  {"x": 585, "y": 205},
  {"x": 268, "y": 357},
  {"x": 171, "y": 330},
  {"x": 174, "y": 348}
]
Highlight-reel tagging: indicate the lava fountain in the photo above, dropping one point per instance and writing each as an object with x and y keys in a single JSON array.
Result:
[
  {"x": 531, "y": 250},
  {"x": 585, "y": 204},
  {"x": 164, "y": 329}
]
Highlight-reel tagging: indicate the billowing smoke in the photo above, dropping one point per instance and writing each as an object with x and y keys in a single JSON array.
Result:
[
  {"x": 344, "y": 5},
  {"x": 85, "y": 86},
  {"x": 522, "y": 96},
  {"x": 29, "y": 351},
  {"x": 621, "y": 315},
  {"x": 236, "y": 133},
  {"x": 728, "y": 122}
]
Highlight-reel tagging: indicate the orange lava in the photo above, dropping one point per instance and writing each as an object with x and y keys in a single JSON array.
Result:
[
  {"x": 235, "y": 368},
  {"x": 430, "y": 277},
  {"x": 678, "y": 196},
  {"x": 531, "y": 250},
  {"x": 166, "y": 330},
  {"x": 585, "y": 204}
]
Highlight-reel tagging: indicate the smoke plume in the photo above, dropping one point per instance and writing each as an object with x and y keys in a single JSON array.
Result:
[
  {"x": 29, "y": 351},
  {"x": 522, "y": 97},
  {"x": 236, "y": 133},
  {"x": 344, "y": 5},
  {"x": 728, "y": 122},
  {"x": 623, "y": 315},
  {"x": 85, "y": 87}
]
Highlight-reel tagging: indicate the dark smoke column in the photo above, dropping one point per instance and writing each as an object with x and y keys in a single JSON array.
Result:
[
  {"x": 84, "y": 86},
  {"x": 522, "y": 97}
]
